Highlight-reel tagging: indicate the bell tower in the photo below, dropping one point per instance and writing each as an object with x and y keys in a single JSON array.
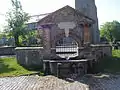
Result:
[{"x": 89, "y": 8}]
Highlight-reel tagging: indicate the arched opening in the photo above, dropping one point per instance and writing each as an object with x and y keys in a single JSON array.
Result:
[{"x": 66, "y": 47}]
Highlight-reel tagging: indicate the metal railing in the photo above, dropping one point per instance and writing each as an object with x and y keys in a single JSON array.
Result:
[{"x": 67, "y": 51}]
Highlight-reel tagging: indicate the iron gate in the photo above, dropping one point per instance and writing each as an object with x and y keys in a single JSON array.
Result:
[{"x": 67, "y": 48}]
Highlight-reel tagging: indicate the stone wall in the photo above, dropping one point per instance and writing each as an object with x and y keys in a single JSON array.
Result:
[
  {"x": 57, "y": 34},
  {"x": 30, "y": 57},
  {"x": 7, "y": 51},
  {"x": 106, "y": 49},
  {"x": 95, "y": 51}
]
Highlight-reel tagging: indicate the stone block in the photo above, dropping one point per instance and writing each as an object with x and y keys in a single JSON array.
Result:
[{"x": 30, "y": 57}]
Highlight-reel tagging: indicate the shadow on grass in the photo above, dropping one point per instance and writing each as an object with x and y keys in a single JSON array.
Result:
[
  {"x": 108, "y": 65},
  {"x": 4, "y": 68}
]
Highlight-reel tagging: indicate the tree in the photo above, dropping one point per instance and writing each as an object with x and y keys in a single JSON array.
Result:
[
  {"x": 16, "y": 19},
  {"x": 103, "y": 39},
  {"x": 111, "y": 31}
]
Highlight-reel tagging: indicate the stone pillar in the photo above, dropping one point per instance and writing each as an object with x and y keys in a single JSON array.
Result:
[
  {"x": 39, "y": 33},
  {"x": 46, "y": 40},
  {"x": 86, "y": 34}
]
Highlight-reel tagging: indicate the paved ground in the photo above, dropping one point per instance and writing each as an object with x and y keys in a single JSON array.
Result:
[
  {"x": 7, "y": 56},
  {"x": 89, "y": 82}
]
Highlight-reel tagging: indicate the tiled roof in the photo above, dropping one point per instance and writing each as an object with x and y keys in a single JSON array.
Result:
[{"x": 51, "y": 17}]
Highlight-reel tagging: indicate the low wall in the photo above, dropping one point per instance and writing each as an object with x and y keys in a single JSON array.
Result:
[
  {"x": 30, "y": 57},
  {"x": 96, "y": 52},
  {"x": 105, "y": 48},
  {"x": 7, "y": 51}
]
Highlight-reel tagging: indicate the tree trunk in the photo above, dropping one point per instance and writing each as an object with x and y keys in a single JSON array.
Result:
[{"x": 16, "y": 40}]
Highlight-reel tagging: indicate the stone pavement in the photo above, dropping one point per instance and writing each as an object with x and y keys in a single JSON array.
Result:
[{"x": 90, "y": 82}]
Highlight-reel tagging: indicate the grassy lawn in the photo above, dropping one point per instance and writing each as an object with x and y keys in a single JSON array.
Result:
[
  {"x": 110, "y": 64},
  {"x": 9, "y": 67}
]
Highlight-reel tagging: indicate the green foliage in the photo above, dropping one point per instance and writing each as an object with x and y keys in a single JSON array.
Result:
[
  {"x": 9, "y": 67},
  {"x": 116, "y": 53},
  {"x": 110, "y": 30},
  {"x": 16, "y": 19},
  {"x": 27, "y": 37},
  {"x": 2, "y": 35}
]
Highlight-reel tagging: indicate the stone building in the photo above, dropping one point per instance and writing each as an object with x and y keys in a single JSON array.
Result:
[
  {"x": 65, "y": 22},
  {"x": 67, "y": 34}
]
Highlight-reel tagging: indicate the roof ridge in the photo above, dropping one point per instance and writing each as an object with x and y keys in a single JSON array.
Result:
[{"x": 67, "y": 6}]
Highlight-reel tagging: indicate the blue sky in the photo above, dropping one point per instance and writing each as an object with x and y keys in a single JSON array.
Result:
[{"x": 108, "y": 10}]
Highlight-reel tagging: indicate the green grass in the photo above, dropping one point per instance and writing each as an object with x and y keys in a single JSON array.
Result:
[
  {"x": 9, "y": 67},
  {"x": 110, "y": 64},
  {"x": 116, "y": 53}
]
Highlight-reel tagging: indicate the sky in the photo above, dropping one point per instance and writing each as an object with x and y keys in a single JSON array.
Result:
[{"x": 108, "y": 10}]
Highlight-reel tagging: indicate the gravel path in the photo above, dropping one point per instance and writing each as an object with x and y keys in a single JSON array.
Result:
[
  {"x": 38, "y": 83},
  {"x": 88, "y": 82}
]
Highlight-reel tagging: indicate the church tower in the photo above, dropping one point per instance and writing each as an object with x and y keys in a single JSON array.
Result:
[{"x": 89, "y": 8}]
